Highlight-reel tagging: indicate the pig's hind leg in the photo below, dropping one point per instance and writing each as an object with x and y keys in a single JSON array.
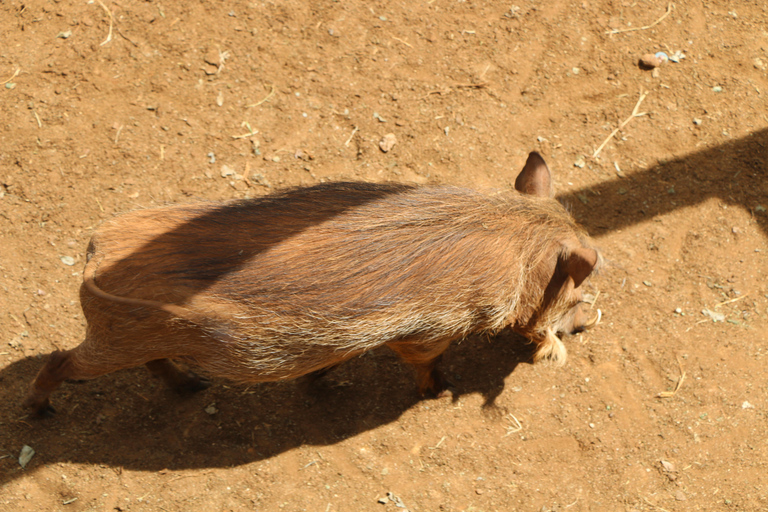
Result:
[
  {"x": 176, "y": 378},
  {"x": 424, "y": 356},
  {"x": 61, "y": 365},
  {"x": 93, "y": 359}
]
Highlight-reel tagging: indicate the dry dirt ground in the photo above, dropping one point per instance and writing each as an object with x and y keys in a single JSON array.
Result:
[{"x": 188, "y": 101}]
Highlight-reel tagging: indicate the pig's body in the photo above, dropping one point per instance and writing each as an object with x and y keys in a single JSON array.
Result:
[{"x": 281, "y": 286}]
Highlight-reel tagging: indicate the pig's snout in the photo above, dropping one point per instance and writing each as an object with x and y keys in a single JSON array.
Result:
[{"x": 584, "y": 318}]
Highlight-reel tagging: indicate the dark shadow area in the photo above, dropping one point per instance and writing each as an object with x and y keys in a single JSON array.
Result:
[
  {"x": 215, "y": 240},
  {"x": 735, "y": 172},
  {"x": 130, "y": 420}
]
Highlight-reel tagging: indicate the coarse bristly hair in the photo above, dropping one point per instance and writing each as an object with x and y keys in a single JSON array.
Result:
[{"x": 432, "y": 262}]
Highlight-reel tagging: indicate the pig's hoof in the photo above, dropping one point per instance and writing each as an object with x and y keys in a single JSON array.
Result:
[
  {"x": 46, "y": 412},
  {"x": 43, "y": 412},
  {"x": 439, "y": 386},
  {"x": 193, "y": 384}
]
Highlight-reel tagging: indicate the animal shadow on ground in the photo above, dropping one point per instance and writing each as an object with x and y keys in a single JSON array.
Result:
[
  {"x": 735, "y": 173},
  {"x": 130, "y": 420}
]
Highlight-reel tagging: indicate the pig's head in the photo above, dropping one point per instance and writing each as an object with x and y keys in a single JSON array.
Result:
[{"x": 556, "y": 306}]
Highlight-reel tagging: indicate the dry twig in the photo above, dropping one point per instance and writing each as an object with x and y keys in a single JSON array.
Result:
[
  {"x": 620, "y": 30},
  {"x": 622, "y": 125}
]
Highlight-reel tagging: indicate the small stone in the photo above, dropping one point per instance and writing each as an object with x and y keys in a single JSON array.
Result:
[
  {"x": 668, "y": 466},
  {"x": 387, "y": 142},
  {"x": 575, "y": 71},
  {"x": 759, "y": 64},
  {"x": 650, "y": 61},
  {"x": 679, "y": 496},
  {"x": 678, "y": 310},
  {"x": 714, "y": 315},
  {"x": 479, "y": 491},
  {"x": 64, "y": 35},
  {"x": 211, "y": 409},
  {"x": 747, "y": 405},
  {"x": 447, "y": 129},
  {"x": 211, "y": 158},
  {"x": 212, "y": 57},
  {"x": 10, "y": 85},
  {"x": 377, "y": 116},
  {"x": 717, "y": 88},
  {"x": 68, "y": 260},
  {"x": 27, "y": 452},
  {"x": 220, "y": 99},
  {"x": 275, "y": 158},
  {"x": 383, "y": 501},
  {"x": 759, "y": 208},
  {"x": 226, "y": 171},
  {"x": 591, "y": 425},
  {"x": 648, "y": 283},
  {"x": 735, "y": 230},
  {"x": 580, "y": 162},
  {"x": 697, "y": 121}
]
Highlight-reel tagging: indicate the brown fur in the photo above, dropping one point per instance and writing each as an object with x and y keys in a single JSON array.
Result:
[{"x": 289, "y": 284}]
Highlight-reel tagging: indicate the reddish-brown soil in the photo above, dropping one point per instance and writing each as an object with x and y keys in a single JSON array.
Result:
[{"x": 677, "y": 200}]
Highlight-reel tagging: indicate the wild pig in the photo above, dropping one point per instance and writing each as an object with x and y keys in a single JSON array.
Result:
[{"x": 296, "y": 282}]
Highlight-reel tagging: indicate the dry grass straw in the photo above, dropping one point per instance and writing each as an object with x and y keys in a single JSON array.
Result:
[
  {"x": 516, "y": 425},
  {"x": 271, "y": 93},
  {"x": 350, "y": 137},
  {"x": 730, "y": 300},
  {"x": 111, "y": 22},
  {"x": 670, "y": 6},
  {"x": 14, "y": 75},
  {"x": 622, "y": 125},
  {"x": 670, "y": 394}
]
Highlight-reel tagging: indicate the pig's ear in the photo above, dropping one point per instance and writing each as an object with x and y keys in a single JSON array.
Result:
[
  {"x": 535, "y": 178},
  {"x": 579, "y": 263}
]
